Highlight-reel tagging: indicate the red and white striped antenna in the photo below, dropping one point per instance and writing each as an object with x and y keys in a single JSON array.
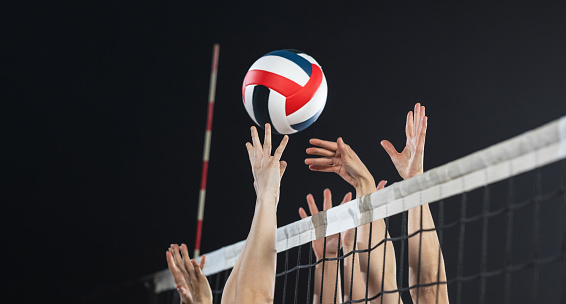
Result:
[{"x": 206, "y": 151}]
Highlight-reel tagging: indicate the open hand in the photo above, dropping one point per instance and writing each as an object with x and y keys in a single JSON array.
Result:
[
  {"x": 267, "y": 170},
  {"x": 339, "y": 158},
  {"x": 191, "y": 283},
  {"x": 331, "y": 241},
  {"x": 410, "y": 161}
]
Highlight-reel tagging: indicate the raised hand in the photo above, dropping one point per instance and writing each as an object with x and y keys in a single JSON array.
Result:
[
  {"x": 339, "y": 158},
  {"x": 331, "y": 241},
  {"x": 267, "y": 170},
  {"x": 191, "y": 283},
  {"x": 410, "y": 161}
]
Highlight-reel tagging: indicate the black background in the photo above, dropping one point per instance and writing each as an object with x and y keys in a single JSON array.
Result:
[{"x": 106, "y": 106}]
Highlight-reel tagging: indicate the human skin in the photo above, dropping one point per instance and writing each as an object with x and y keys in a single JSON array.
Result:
[{"x": 426, "y": 262}]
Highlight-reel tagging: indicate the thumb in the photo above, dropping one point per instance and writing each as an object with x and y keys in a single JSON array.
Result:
[
  {"x": 202, "y": 261},
  {"x": 282, "y": 167},
  {"x": 344, "y": 150},
  {"x": 389, "y": 149}
]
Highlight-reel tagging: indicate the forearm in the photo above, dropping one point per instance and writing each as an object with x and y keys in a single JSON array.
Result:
[
  {"x": 330, "y": 280},
  {"x": 256, "y": 277},
  {"x": 382, "y": 273},
  {"x": 353, "y": 281},
  {"x": 426, "y": 263},
  {"x": 229, "y": 292}
]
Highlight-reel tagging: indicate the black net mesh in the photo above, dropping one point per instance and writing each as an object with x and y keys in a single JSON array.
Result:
[{"x": 501, "y": 243}]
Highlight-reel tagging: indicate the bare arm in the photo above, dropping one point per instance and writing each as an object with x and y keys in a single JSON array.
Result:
[
  {"x": 354, "y": 284},
  {"x": 339, "y": 158},
  {"x": 426, "y": 263},
  {"x": 382, "y": 275},
  {"x": 254, "y": 279},
  {"x": 330, "y": 267}
]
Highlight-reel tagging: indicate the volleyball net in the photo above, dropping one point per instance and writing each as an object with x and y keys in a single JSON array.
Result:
[{"x": 500, "y": 221}]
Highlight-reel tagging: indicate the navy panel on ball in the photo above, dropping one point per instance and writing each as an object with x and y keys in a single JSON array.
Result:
[
  {"x": 303, "y": 125},
  {"x": 261, "y": 106},
  {"x": 298, "y": 60}
]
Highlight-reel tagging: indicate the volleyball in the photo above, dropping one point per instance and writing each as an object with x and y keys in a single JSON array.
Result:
[{"x": 285, "y": 88}]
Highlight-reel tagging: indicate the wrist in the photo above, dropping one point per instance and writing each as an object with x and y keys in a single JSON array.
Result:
[
  {"x": 329, "y": 255},
  {"x": 365, "y": 185},
  {"x": 266, "y": 197},
  {"x": 413, "y": 174}
]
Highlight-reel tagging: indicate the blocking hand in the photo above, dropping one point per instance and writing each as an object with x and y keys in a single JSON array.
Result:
[
  {"x": 331, "y": 241},
  {"x": 267, "y": 170},
  {"x": 339, "y": 158},
  {"x": 410, "y": 161},
  {"x": 191, "y": 283}
]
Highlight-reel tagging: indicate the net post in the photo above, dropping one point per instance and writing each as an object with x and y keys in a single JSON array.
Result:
[{"x": 206, "y": 149}]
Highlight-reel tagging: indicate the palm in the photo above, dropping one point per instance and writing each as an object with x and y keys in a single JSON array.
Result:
[
  {"x": 173, "y": 260},
  {"x": 408, "y": 164},
  {"x": 410, "y": 161},
  {"x": 341, "y": 168}
]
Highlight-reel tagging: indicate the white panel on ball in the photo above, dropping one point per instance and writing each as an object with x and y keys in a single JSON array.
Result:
[
  {"x": 277, "y": 113},
  {"x": 317, "y": 102},
  {"x": 282, "y": 67}
]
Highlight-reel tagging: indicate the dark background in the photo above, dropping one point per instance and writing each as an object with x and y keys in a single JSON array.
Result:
[{"x": 106, "y": 105}]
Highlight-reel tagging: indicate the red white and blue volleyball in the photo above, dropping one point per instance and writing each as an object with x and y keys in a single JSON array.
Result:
[{"x": 285, "y": 88}]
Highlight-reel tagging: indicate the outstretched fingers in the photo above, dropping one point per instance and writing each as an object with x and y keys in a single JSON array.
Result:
[
  {"x": 422, "y": 136},
  {"x": 327, "y": 202},
  {"x": 347, "y": 198},
  {"x": 323, "y": 161},
  {"x": 175, "y": 271},
  {"x": 320, "y": 152},
  {"x": 280, "y": 149},
  {"x": 322, "y": 168},
  {"x": 313, "y": 209},
  {"x": 267, "y": 140},
  {"x": 302, "y": 213},
  {"x": 202, "y": 261},
  {"x": 325, "y": 144},
  {"x": 188, "y": 265},
  {"x": 417, "y": 119},
  {"x": 409, "y": 125},
  {"x": 257, "y": 148}
]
